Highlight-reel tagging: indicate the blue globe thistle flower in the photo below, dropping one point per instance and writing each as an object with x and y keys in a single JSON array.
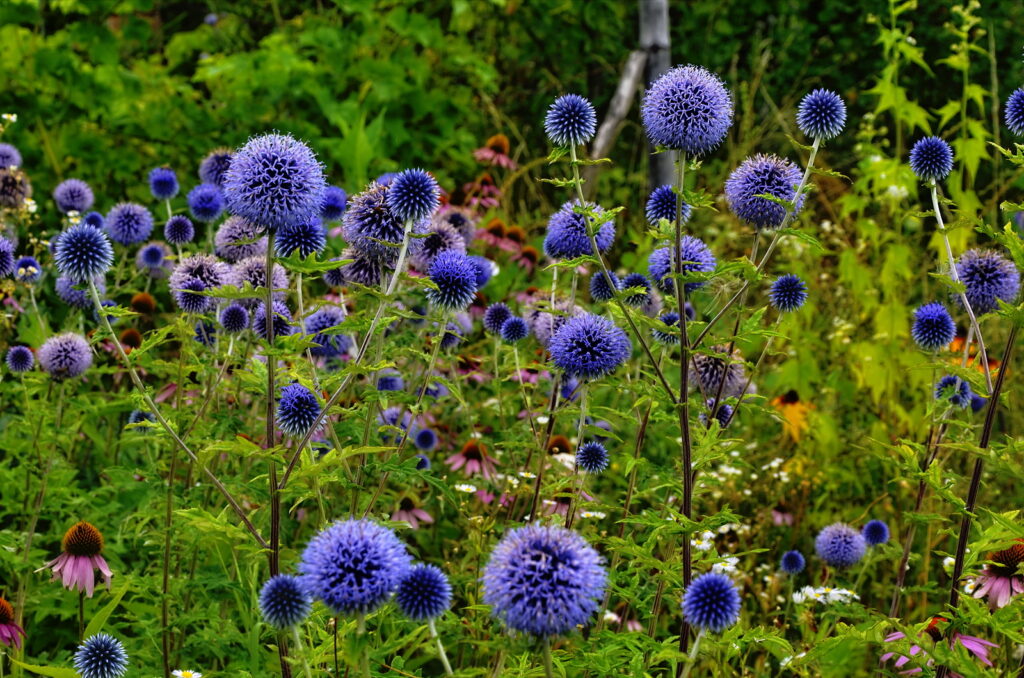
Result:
[
  {"x": 687, "y": 109},
  {"x": 94, "y": 219},
  {"x": 9, "y": 156},
  {"x": 305, "y": 238},
  {"x": 697, "y": 258},
  {"x": 484, "y": 267},
  {"x": 839, "y": 545},
  {"x": 708, "y": 370},
  {"x": 101, "y": 656},
  {"x": 284, "y": 602},
  {"x": 73, "y": 195},
  {"x": 214, "y": 167},
  {"x": 361, "y": 270},
  {"x": 495, "y": 316},
  {"x": 426, "y": 440},
  {"x": 152, "y": 258},
  {"x": 931, "y": 159},
  {"x": 205, "y": 202},
  {"x": 600, "y": 290},
  {"x": 592, "y": 457},
  {"x": 234, "y": 318},
  {"x": 933, "y": 327},
  {"x": 163, "y": 183},
  {"x": 989, "y": 277},
  {"x": 1014, "y": 113},
  {"x": 201, "y": 267},
  {"x": 634, "y": 280},
  {"x": 297, "y": 409},
  {"x": 238, "y": 239},
  {"x": 978, "y": 402},
  {"x": 568, "y": 388},
  {"x": 793, "y": 562},
  {"x": 671, "y": 318},
  {"x": 711, "y": 602},
  {"x": 662, "y": 205},
  {"x": 327, "y": 345},
  {"x": 254, "y": 271},
  {"x": 413, "y": 195},
  {"x": 440, "y": 237},
  {"x": 514, "y": 330},
  {"x": 455, "y": 278},
  {"x": 354, "y": 566},
  {"x": 389, "y": 419},
  {"x": 6, "y": 257},
  {"x": 179, "y": 230},
  {"x": 788, "y": 293},
  {"x": 75, "y": 294},
  {"x": 189, "y": 297},
  {"x": 280, "y": 323},
  {"x": 205, "y": 333},
  {"x": 370, "y": 228},
  {"x": 875, "y": 532},
  {"x": 763, "y": 175},
  {"x": 128, "y": 223},
  {"x": 567, "y": 232},
  {"x": 955, "y": 389},
  {"x": 570, "y": 121},
  {"x": 452, "y": 336},
  {"x": 386, "y": 178},
  {"x": 424, "y": 593},
  {"x": 722, "y": 416},
  {"x": 335, "y": 201},
  {"x": 544, "y": 580},
  {"x": 20, "y": 359},
  {"x": 821, "y": 114},
  {"x": 138, "y": 416},
  {"x": 589, "y": 346},
  {"x": 274, "y": 180},
  {"x": 65, "y": 356},
  {"x": 390, "y": 380},
  {"x": 83, "y": 252}
]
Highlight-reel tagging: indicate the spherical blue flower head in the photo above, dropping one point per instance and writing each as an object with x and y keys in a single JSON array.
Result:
[
  {"x": 297, "y": 409},
  {"x": 9, "y": 156},
  {"x": 933, "y": 327},
  {"x": 821, "y": 114},
  {"x": 65, "y": 356},
  {"x": 840, "y": 545},
  {"x": 495, "y": 316},
  {"x": 600, "y": 290},
  {"x": 139, "y": 416},
  {"x": 73, "y": 195},
  {"x": 514, "y": 330},
  {"x": 101, "y": 656},
  {"x": 284, "y": 602},
  {"x": 662, "y": 205},
  {"x": 354, "y": 566},
  {"x": 202, "y": 267},
  {"x": 389, "y": 420},
  {"x": 20, "y": 359},
  {"x": 390, "y": 380},
  {"x": 875, "y": 532},
  {"x": 238, "y": 239},
  {"x": 955, "y": 389},
  {"x": 567, "y": 232},
  {"x": 988, "y": 277},
  {"x": 214, "y": 167},
  {"x": 425, "y": 440},
  {"x": 190, "y": 298},
  {"x": 722, "y": 416},
  {"x": 484, "y": 268},
  {"x": 1014, "y": 113},
  {"x": 205, "y": 333},
  {"x": 708, "y": 370},
  {"x": 6, "y": 257},
  {"x": 234, "y": 318},
  {"x": 592, "y": 457},
  {"x": 687, "y": 109},
  {"x": 671, "y": 318},
  {"x": 788, "y": 293},
  {"x": 361, "y": 270},
  {"x": 589, "y": 346},
  {"x": 455, "y": 277},
  {"x": 75, "y": 294},
  {"x": 205, "y": 202},
  {"x": 386, "y": 178},
  {"x": 304, "y": 238},
  {"x": 335, "y": 201},
  {"x": 570, "y": 121},
  {"x": 275, "y": 180},
  {"x": 711, "y": 602},
  {"x": 128, "y": 223},
  {"x": 281, "y": 322},
  {"x": 440, "y": 237},
  {"x": 452, "y": 336},
  {"x": 254, "y": 271},
  {"x": 543, "y": 580},
  {"x": 94, "y": 219},
  {"x": 543, "y": 324},
  {"x": 424, "y": 593},
  {"x": 151, "y": 256},
  {"x": 327, "y": 345},
  {"x": 763, "y": 175},
  {"x": 637, "y": 280},
  {"x": 83, "y": 252},
  {"x": 179, "y": 230},
  {"x": 413, "y": 195},
  {"x": 793, "y": 562},
  {"x": 163, "y": 183},
  {"x": 697, "y": 258},
  {"x": 977, "y": 402},
  {"x": 369, "y": 226},
  {"x": 931, "y": 159}
]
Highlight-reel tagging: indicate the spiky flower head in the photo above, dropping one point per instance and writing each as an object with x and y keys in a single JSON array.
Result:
[
  {"x": 205, "y": 202},
  {"x": 390, "y": 379},
  {"x": 304, "y": 238},
  {"x": 954, "y": 389},
  {"x": 83, "y": 252},
  {"x": 495, "y": 316},
  {"x": 455, "y": 278},
  {"x": 65, "y": 356},
  {"x": 600, "y": 289},
  {"x": 238, "y": 239},
  {"x": 1014, "y": 113},
  {"x": 567, "y": 237},
  {"x": 203, "y": 267},
  {"x": 793, "y": 562},
  {"x": 20, "y": 359},
  {"x": 821, "y": 114},
  {"x": 297, "y": 409},
  {"x": 931, "y": 159},
  {"x": 360, "y": 270},
  {"x": 514, "y": 330},
  {"x": 73, "y": 195},
  {"x": 637, "y": 281},
  {"x": 163, "y": 183},
  {"x": 788, "y": 293},
  {"x": 253, "y": 270},
  {"x": 709, "y": 369},
  {"x": 75, "y": 294},
  {"x": 93, "y": 219},
  {"x": 370, "y": 227},
  {"x": 662, "y": 204},
  {"x": 15, "y": 188},
  {"x": 933, "y": 327},
  {"x": 440, "y": 237},
  {"x": 179, "y": 230},
  {"x": 234, "y": 318},
  {"x": 711, "y": 602},
  {"x": 589, "y": 346},
  {"x": 424, "y": 593},
  {"x": 327, "y": 344},
  {"x": 7, "y": 266},
  {"x": 284, "y": 602},
  {"x": 128, "y": 223},
  {"x": 413, "y": 195},
  {"x": 671, "y": 319},
  {"x": 696, "y": 256},
  {"x": 281, "y": 318},
  {"x": 335, "y": 200},
  {"x": 152, "y": 257},
  {"x": 875, "y": 532},
  {"x": 763, "y": 175},
  {"x": 723, "y": 413},
  {"x": 9, "y": 156},
  {"x": 214, "y": 167},
  {"x": 592, "y": 457},
  {"x": 101, "y": 656},
  {"x": 687, "y": 109},
  {"x": 839, "y": 545},
  {"x": 570, "y": 121},
  {"x": 989, "y": 278},
  {"x": 189, "y": 297}
]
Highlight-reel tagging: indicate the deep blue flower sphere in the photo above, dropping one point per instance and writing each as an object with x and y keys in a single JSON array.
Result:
[
  {"x": 977, "y": 402},
  {"x": 163, "y": 183},
  {"x": 94, "y": 219},
  {"x": 931, "y": 159},
  {"x": 514, "y": 330},
  {"x": 424, "y": 593},
  {"x": 933, "y": 327},
  {"x": 73, "y": 195},
  {"x": 297, "y": 409},
  {"x": 20, "y": 359},
  {"x": 671, "y": 318},
  {"x": 413, "y": 195},
  {"x": 205, "y": 202},
  {"x": 711, "y": 602},
  {"x": 101, "y": 656},
  {"x": 328, "y": 345},
  {"x": 204, "y": 332},
  {"x": 65, "y": 356},
  {"x": 697, "y": 258},
  {"x": 189, "y": 297},
  {"x": 763, "y": 175},
  {"x": 440, "y": 237},
  {"x": 390, "y": 380},
  {"x": 662, "y": 204},
  {"x": 570, "y": 121},
  {"x": 1014, "y": 113},
  {"x": 875, "y": 532},
  {"x": 234, "y": 318},
  {"x": 687, "y": 109},
  {"x": 9, "y": 156},
  {"x": 567, "y": 237},
  {"x": 425, "y": 440},
  {"x": 637, "y": 281},
  {"x": 958, "y": 390},
  {"x": 83, "y": 253},
  {"x": 821, "y": 114},
  {"x": 284, "y": 602},
  {"x": 839, "y": 545},
  {"x": 281, "y": 323},
  {"x": 495, "y": 316},
  {"x": 304, "y": 238},
  {"x": 589, "y": 346},
  {"x": 7, "y": 266},
  {"x": 179, "y": 230},
  {"x": 335, "y": 201},
  {"x": 128, "y": 223},
  {"x": 600, "y": 290},
  {"x": 455, "y": 277},
  {"x": 722, "y": 415},
  {"x": 543, "y": 580},
  {"x": 989, "y": 277},
  {"x": 793, "y": 562},
  {"x": 274, "y": 180},
  {"x": 214, "y": 167},
  {"x": 139, "y": 416},
  {"x": 237, "y": 239},
  {"x": 152, "y": 257},
  {"x": 202, "y": 267},
  {"x": 354, "y": 566},
  {"x": 373, "y": 231},
  {"x": 592, "y": 457},
  {"x": 484, "y": 268},
  {"x": 788, "y": 293}
]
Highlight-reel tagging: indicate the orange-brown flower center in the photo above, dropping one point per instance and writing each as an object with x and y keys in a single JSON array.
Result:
[
  {"x": 83, "y": 540},
  {"x": 496, "y": 227},
  {"x": 559, "y": 445},
  {"x": 131, "y": 338},
  {"x": 143, "y": 302},
  {"x": 499, "y": 144},
  {"x": 6, "y": 612},
  {"x": 474, "y": 451},
  {"x": 1009, "y": 559}
]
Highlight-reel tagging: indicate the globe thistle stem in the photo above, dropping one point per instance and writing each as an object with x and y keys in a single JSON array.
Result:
[
  {"x": 577, "y": 493},
  {"x": 440, "y": 648},
  {"x": 548, "y": 672},
  {"x": 275, "y": 498},
  {"x": 364, "y": 655},
  {"x": 691, "y": 658},
  {"x": 522, "y": 389},
  {"x": 300, "y": 650}
]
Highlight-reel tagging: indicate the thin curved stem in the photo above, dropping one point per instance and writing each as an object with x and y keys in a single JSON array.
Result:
[
  {"x": 275, "y": 498},
  {"x": 440, "y": 648}
]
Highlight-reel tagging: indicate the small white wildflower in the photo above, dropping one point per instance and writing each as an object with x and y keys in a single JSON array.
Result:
[
  {"x": 593, "y": 514},
  {"x": 611, "y": 617},
  {"x": 466, "y": 487}
]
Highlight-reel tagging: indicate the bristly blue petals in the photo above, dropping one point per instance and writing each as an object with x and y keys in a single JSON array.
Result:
[
  {"x": 821, "y": 114},
  {"x": 455, "y": 277},
  {"x": 933, "y": 327},
  {"x": 931, "y": 159},
  {"x": 424, "y": 593},
  {"x": 413, "y": 195},
  {"x": 589, "y": 346},
  {"x": 101, "y": 656},
  {"x": 662, "y": 204},
  {"x": 711, "y": 602},
  {"x": 570, "y": 121},
  {"x": 989, "y": 278},
  {"x": 788, "y": 293},
  {"x": 763, "y": 175},
  {"x": 284, "y": 602},
  {"x": 1014, "y": 113},
  {"x": 839, "y": 545},
  {"x": 83, "y": 253},
  {"x": 687, "y": 109}
]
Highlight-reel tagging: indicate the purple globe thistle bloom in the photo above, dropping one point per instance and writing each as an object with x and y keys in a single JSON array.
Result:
[
  {"x": 305, "y": 238},
  {"x": 20, "y": 359},
  {"x": 1014, "y": 113},
  {"x": 354, "y": 566},
  {"x": 589, "y": 346},
  {"x": 484, "y": 267},
  {"x": 495, "y": 316},
  {"x": 65, "y": 356},
  {"x": 238, "y": 239},
  {"x": 94, "y": 219},
  {"x": 361, "y": 270},
  {"x": 335, "y": 201},
  {"x": 592, "y": 457},
  {"x": 424, "y": 593},
  {"x": 190, "y": 298},
  {"x": 662, "y": 205},
  {"x": 234, "y": 318},
  {"x": 793, "y": 562},
  {"x": 74, "y": 294},
  {"x": 426, "y": 440},
  {"x": 284, "y": 602},
  {"x": 711, "y": 602},
  {"x": 15, "y": 188},
  {"x": 9, "y": 156},
  {"x": 637, "y": 280},
  {"x": 390, "y": 380},
  {"x": 514, "y": 330},
  {"x": 152, "y": 257},
  {"x": 787, "y": 293},
  {"x": 452, "y": 336},
  {"x": 567, "y": 232},
  {"x": 455, "y": 280},
  {"x": 413, "y": 195},
  {"x": 763, "y": 175},
  {"x": 333, "y": 277},
  {"x": 73, "y": 195},
  {"x": 570, "y": 121},
  {"x": 179, "y": 230},
  {"x": 274, "y": 180},
  {"x": 101, "y": 656},
  {"x": 671, "y": 319},
  {"x": 709, "y": 370},
  {"x": 6, "y": 257},
  {"x": 440, "y": 237},
  {"x": 839, "y": 545},
  {"x": 205, "y": 333},
  {"x": 697, "y": 258},
  {"x": 140, "y": 416},
  {"x": 388, "y": 419},
  {"x": 163, "y": 183},
  {"x": 370, "y": 227},
  {"x": 83, "y": 253},
  {"x": 821, "y": 114},
  {"x": 687, "y": 109},
  {"x": 328, "y": 345},
  {"x": 933, "y": 327},
  {"x": 954, "y": 389},
  {"x": 875, "y": 532},
  {"x": 462, "y": 219},
  {"x": 205, "y": 202},
  {"x": 989, "y": 277},
  {"x": 253, "y": 270},
  {"x": 297, "y": 409},
  {"x": 722, "y": 416},
  {"x": 977, "y": 402},
  {"x": 543, "y": 325},
  {"x": 544, "y": 581},
  {"x": 600, "y": 290},
  {"x": 202, "y": 267},
  {"x": 281, "y": 320},
  {"x": 214, "y": 167},
  {"x": 128, "y": 223},
  {"x": 931, "y": 159}
]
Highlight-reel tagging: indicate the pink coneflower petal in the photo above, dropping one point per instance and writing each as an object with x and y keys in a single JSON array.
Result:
[
  {"x": 976, "y": 646},
  {"x": 422, "y": 515},
  {"x": 456, "y": 461},
  {"x": 102, "y": 566}
]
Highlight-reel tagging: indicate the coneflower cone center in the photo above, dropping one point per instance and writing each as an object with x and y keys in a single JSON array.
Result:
[
  {"x": 6, "y": 612},
  {"x": 83, "y": 540},
  {"x": 1008, "y": 560}
]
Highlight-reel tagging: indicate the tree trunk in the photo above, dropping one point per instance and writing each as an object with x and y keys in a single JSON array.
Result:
[{"x": 657, "y": 43}]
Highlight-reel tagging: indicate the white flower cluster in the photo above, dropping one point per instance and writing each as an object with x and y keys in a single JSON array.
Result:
[{"x": 825, "y": 595}]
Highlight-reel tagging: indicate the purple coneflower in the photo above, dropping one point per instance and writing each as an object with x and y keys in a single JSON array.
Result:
[{"x": 76, "y": 566}]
